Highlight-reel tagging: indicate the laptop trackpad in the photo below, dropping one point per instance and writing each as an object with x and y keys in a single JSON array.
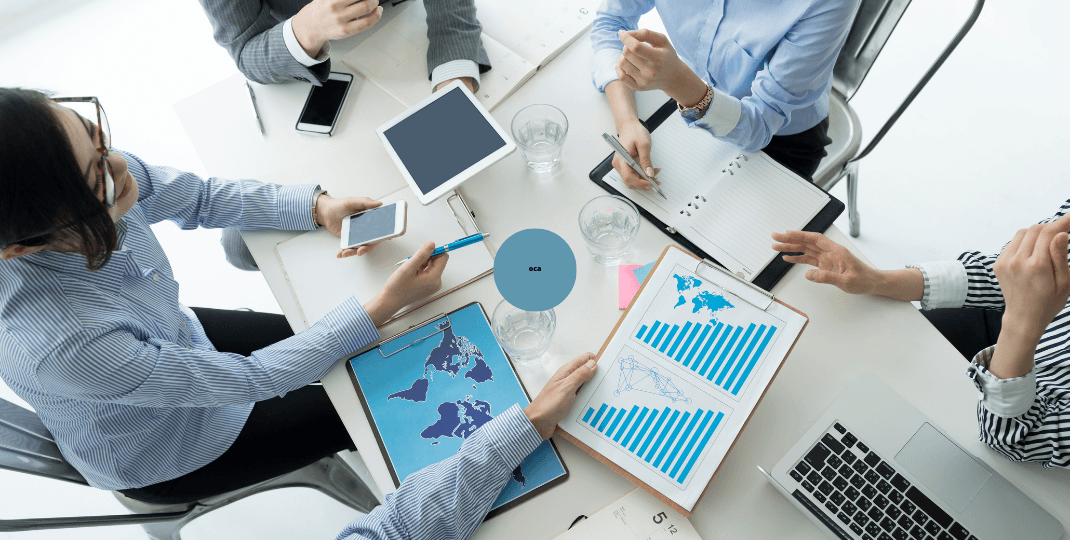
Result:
[{"x": 944, "y": 468}]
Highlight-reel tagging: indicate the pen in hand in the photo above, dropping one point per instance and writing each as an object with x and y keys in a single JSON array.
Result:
[
  {"x": 456, "y": 244},
  {"x": 256, "y": 111},
  {"x": 619, "y": 149}
]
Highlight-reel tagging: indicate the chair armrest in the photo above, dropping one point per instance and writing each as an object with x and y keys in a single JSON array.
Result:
[
  {"x": 924, "y": 80},
  {"x": 20, "y": 525}
]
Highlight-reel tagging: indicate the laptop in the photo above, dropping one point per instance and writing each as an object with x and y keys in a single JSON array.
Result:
[{"x": 875, "y": 468}]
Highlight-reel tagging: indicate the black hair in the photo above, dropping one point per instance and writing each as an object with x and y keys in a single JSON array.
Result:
[{"x": 42, "y": 185}]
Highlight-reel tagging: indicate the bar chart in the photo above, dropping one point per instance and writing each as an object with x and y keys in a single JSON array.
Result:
[
  {"x": 723, "y": 354},
  {"x": 671, "y": 441}
]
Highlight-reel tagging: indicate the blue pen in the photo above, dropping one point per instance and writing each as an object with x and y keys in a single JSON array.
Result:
[{"x": 456, "y": 244}]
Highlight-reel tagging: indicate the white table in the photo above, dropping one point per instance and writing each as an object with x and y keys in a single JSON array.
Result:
[{"x": 847, "y": 335}]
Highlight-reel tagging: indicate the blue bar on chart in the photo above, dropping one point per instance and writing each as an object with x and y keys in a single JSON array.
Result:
[
  {"x": 670, "y": 440},
  {"x": 723, "y": 354}
]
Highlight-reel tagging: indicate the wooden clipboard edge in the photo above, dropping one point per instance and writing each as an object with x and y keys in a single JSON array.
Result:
[
  {"x": 618, "y": 469},
  {"x": 370, "y": 419}
]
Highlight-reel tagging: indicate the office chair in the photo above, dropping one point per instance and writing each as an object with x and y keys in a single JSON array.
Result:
[
  {"x": 871, "y": 29},
  {"x": 26, "y": 446}
]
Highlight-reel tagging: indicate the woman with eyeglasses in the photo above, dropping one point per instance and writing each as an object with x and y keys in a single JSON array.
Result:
[{"x": 142, "y": 394}]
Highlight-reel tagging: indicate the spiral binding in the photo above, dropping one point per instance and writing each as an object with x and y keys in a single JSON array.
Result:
[{"x": 728, "y": 168}]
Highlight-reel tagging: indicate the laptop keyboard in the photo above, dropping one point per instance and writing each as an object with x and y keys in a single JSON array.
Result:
[{"x": 842, "y": 478}]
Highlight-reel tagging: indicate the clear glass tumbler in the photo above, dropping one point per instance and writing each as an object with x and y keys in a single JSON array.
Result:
[
  {"x": 539, "y": 131},
  {"x": 609, "y": 225},
  {"x": 525, "y": 335}
]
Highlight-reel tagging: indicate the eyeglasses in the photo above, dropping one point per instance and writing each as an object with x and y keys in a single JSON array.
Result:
[
  {"x": 103, "y": 167},
  {"x": 104, "y": 136}
]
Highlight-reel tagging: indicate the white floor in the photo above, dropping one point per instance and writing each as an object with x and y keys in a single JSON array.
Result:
[{"x": 974, "y": 158}]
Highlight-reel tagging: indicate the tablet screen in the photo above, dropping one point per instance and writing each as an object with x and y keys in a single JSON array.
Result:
[{"x": 443, "y": 139}]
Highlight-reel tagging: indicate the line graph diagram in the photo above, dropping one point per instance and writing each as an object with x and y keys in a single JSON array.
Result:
[{"x": 637, "y": 377}]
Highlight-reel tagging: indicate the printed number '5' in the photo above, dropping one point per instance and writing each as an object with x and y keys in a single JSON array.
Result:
[{"x": 659, "y": 517}]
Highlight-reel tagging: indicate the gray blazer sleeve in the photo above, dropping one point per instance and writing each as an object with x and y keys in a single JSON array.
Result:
[
  {"x": 453, "y": 30},
  {"x": 252, "y": 34}
]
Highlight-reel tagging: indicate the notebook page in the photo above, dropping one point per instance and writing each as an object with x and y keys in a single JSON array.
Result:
[
  {"x": 744, "y": 209},
  {"x": 394, "y": 58},
  {"x": 689, "y": 160},
  {"x": 536, "y": 31}
]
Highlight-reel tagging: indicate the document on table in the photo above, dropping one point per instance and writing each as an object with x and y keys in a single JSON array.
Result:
[
  {"x": 635, "y": 516},
  {"x": 519, "y": 37},
  {"x": 680, "y": 377},
  {"x": 727, "y": 202}
]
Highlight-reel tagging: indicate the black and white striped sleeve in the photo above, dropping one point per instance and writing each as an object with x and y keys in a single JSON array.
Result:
[{"x": 1026, "y": 418}]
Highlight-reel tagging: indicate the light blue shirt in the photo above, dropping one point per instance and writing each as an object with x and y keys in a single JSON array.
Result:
[
  {"x": 448, "y": 500},
  {"x": 119, "y": 371},
  {"x": 769, "y": 61}
]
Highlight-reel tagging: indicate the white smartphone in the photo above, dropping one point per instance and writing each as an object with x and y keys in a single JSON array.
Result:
[
  {"x": 324, "y": 105},
  {"x": 375, "y": 225}
]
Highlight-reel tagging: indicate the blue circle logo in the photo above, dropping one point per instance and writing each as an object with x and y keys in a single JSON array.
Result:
[{"x": 535, "y": 270}]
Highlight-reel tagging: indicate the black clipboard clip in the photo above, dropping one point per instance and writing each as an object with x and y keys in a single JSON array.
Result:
[{"x": 395, "y": 344}]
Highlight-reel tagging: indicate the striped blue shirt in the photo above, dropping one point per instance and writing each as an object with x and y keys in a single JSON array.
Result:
[
  {"x": 769, "y": 62},
  {"x": 448, "y": 500},
  {"x": 119, "y": 371}
]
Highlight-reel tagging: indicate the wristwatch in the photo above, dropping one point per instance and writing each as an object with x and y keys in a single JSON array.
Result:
[
  {"x": 696, "y": 110},
  {"x": 316, "y": 197}
]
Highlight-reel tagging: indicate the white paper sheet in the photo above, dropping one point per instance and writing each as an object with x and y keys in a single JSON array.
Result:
[
  {"x": 635, "y": 516},
  {"x": 697, "y": 359},
  {"x": 729, "y": 216}
]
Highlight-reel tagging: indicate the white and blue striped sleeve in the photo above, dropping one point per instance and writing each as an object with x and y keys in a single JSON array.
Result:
[
  {"x": 448, "y": 500},
  {"x": 113, "y": 365},
  {"x": 191, "y": 201},
  {"x": 612, "y": 17}
]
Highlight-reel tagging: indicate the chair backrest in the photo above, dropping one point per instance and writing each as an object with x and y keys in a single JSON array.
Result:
[
  {"x": 872, "y": 26},
  {"x": 26, "y": 446}
]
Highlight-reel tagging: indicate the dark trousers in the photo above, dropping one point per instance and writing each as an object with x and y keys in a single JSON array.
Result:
[
  {"x": 282, "y": 434},
  {"x": 801, "y": 152},
  {"x": 970, "y": 330}
]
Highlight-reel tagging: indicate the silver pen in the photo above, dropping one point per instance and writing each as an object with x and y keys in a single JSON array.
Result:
[
  {"x": 256, "y": 111},
  {"x": 619, "y": 149}
]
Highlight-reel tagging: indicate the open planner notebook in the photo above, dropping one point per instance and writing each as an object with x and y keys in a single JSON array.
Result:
[
  {"x": 520, "y": 37},
  {"x": 313, "y": 254},
  {"x": 720, "y": 202}
]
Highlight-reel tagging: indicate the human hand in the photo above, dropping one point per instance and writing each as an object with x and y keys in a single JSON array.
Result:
[
  {"x": 556, "y": 398},
  {"x": 416, "y": 278},
  {"x": 1033, "y": 274},
  {"x": 635, "y": 138},
  {"x": 331, "y": 211},
  {"x": 834, "y": 263},
  {"x": 322, "y": 20},
  {"x": 468, "y": 81}
]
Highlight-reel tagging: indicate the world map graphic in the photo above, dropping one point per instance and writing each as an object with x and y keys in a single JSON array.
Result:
[
  {"x": 460, "y": 418},
  {"x": 702, "y": 300}
]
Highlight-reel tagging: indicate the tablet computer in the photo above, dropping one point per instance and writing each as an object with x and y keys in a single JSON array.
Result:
[{"x": 444, "y": 140}]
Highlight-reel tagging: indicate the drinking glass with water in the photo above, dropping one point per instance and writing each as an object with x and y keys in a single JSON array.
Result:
[
  {"x": 539, "y": 131},
  {"x": 609, "y": 225},
  {"x": 525, "y": 335}
]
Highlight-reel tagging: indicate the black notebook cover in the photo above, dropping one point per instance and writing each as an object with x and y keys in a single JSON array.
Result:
[{"x": 776, "y": 268}]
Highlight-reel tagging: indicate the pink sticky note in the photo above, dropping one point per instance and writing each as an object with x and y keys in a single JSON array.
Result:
[{"x": 628, "y": 285}]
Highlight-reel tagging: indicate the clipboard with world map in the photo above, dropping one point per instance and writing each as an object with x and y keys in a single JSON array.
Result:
[
  {"x": 426, "y": 390},
  {"x": 680, "y": 376}
]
